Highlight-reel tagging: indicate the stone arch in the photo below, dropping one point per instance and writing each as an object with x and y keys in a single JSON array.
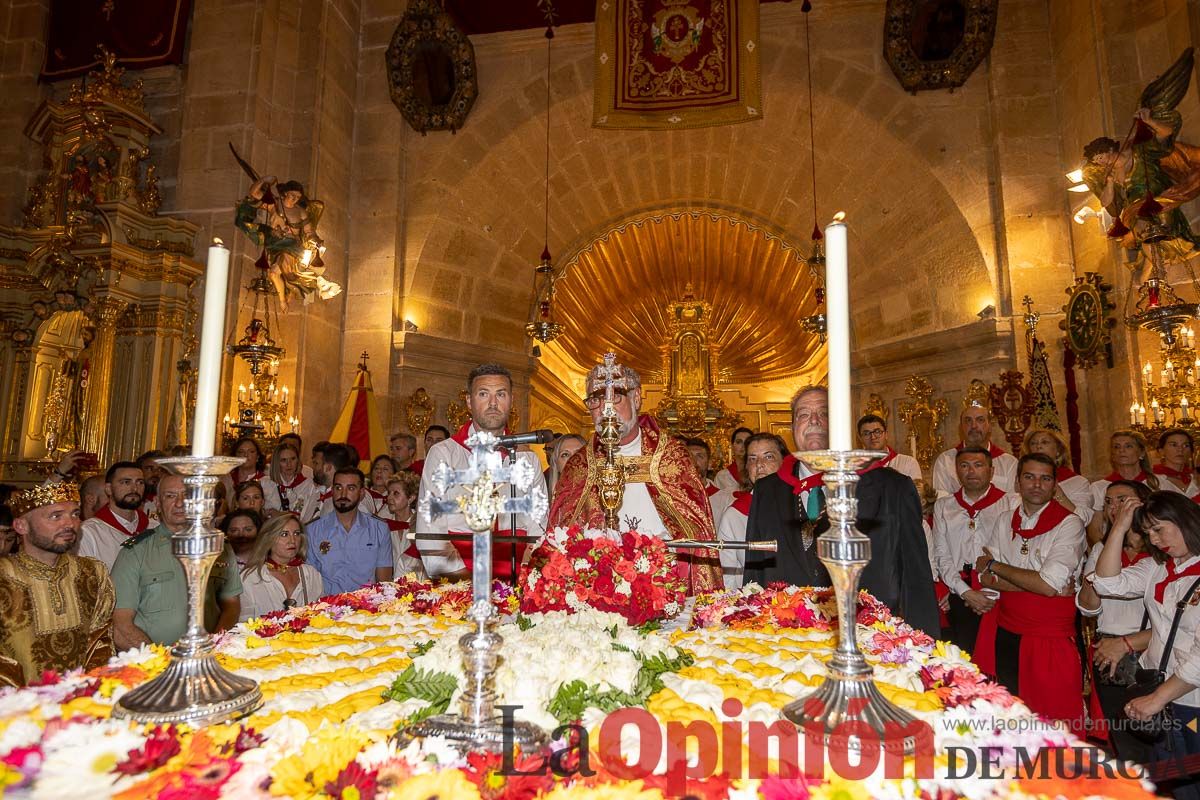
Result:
[{"x": 919, "y": 216}]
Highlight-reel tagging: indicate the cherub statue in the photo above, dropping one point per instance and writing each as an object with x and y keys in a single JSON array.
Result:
[
  {"x": 1142, "y": 181},
  {"x": 281, "y": 219}
]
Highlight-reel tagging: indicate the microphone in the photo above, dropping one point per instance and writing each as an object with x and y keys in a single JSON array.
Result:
[{"x": 543, "y": 436}]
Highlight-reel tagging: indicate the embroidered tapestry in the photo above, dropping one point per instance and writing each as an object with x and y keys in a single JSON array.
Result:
[{"x": 663, "y": 64}]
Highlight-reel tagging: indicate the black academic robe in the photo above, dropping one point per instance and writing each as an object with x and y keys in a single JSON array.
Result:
[{"x": 889, "y": 513}]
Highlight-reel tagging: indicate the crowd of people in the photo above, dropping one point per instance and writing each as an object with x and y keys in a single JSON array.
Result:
[{"x": 1080, "y": 596}]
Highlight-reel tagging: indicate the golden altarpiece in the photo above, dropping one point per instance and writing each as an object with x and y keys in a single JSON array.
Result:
[
  {"x": 97, "y": 313},
  {"x": 691, "y": 405}
]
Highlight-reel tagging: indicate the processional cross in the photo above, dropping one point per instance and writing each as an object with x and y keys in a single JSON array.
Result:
[
  {"x": 612, "y": 471},
  {"x": 477, "y": 727}
]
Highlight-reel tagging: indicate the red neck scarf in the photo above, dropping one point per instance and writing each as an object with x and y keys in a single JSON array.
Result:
[
  {"x": 464, "y": 433},
  {"x": 273, "y": 564},
  {"x": 397, "y": 525},
  {"x": 1051, "y": 516},
  {"x": 733, "y": 471},
  {"x": 1064, "y": 473},
  {"x": 239, "y": 480},
  {"x": 377, "y": 495},
  {"x": 787, "y": 471},
  {"x": 883, "y": 462},
  {"x": 1126, "y": 561},
  {"x": 993, "y": 451},
  {"x": 106, "y": 515},
  {"x": 711, "y": 489},
  {"x": 992, "y": 496},
  {"x": 741, "y": 501},
  {"x": 1184, "y": 475},
  {"x": 294, "y": 482},
  {"x": 1114, "y": 476},
  {"x": 1161, "y": 587}
]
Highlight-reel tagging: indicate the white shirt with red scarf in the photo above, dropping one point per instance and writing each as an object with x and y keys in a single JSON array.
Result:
[
  {"x": 729, "y": 479},
  {"x": 1053, "y": 545},
  {"x": 945, "y": 476},
  {"x": 718, "y": 500},
  {"x": 440, "y": 556},
  {"x": 101, "y": 536},
  {"x": 959, "y": 528},
  {"x": 297, "y": 492},
  {"x": 732, "y": 528},
  {"x": 904, "y": 464}
]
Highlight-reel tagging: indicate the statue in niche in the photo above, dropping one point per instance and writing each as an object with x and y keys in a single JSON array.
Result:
[
  {"x": 1142, "y": 181},
  {"x": 282, "y": 220}
]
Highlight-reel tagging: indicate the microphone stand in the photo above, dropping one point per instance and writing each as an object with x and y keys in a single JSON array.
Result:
[{"x": 512, "y": 518}]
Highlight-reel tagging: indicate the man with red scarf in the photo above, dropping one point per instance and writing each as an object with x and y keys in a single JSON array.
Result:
[
  {"x": 1032, "y": 557},
  {"x": 873, "y": 435},
  {"x": 489, "y": 401},
  {"x": 101, "y": 536},
  {"x": 789, "y": 508},
  {"x": 975, "y": 427},
  {"x": 664, "y": 494},
  {"x": 960, "y": 521}
]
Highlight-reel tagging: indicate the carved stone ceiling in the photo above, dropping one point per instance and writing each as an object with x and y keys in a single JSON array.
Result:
[{"x": 613, "y": 294}]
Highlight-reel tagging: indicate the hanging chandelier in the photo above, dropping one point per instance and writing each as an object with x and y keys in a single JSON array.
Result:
[
  {"x": 262, "y": 405},
  {"x": 814, "y": 324},
  {"x": 542, "y": 324}
]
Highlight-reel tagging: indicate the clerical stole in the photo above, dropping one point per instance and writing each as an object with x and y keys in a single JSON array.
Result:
[
  {"x": 671, "y": 64},
  {"x": 54, "y": 618},
  {"x": 674, "y": 485}
]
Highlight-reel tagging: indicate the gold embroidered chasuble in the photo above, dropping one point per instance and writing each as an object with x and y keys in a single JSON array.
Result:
[{"x": 53, "y": 617}]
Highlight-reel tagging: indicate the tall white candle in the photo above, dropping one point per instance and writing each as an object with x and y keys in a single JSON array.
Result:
[
  {"x": 837, "y": 316},
  {"x": 212, "y": 337}
]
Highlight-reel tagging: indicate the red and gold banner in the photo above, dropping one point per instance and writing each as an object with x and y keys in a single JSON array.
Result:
[
  {"x": 663, "y": 64},
  {"x": 140, "y": 33}
]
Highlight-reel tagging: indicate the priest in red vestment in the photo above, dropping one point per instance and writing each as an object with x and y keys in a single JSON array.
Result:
[
  {"x": 1033, "y": 557},
  {"x": 664, "y": 494}
]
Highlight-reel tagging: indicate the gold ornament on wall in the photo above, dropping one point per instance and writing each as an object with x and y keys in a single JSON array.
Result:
[
  {"x": 418, "y": 410},
  {"x": 923, "y": 417},
  {"x": 876, "y": 406},
  {"x": 978, "y": 394},
  {"x": 1012, "y": 407},
  {"x": 458, "y": 412},
  {"x": 1086, "y": 322}
]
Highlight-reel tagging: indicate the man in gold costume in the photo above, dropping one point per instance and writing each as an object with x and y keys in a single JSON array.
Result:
[
  {"x": 664, "y": 494},
  {"x": 56, "y": 607}
]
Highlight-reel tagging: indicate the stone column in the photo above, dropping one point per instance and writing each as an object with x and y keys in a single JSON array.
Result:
[{"x": 97, "y": 401}]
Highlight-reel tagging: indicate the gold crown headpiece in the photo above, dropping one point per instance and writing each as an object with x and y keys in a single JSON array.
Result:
[{"x": 46, "y": 494}]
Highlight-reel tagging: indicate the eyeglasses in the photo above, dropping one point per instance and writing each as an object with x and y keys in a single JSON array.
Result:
[{"x": 596, "y": 399}]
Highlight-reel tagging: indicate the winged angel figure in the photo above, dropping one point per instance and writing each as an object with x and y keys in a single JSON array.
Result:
[
  {"x": 279, "y": 218},
  {"x": 1142, "y": 181}
]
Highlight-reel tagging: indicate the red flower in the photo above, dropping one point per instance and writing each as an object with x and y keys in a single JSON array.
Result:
[
  {"x": 353, "y": 775},
  {"x": 485, "y": 770},
  {"x": 48, "y": 678},
  {"x": 247, "y": 739},
  {"x": 85, "y": 689},
  {"x": 161, "y": 745},
  {"x": 298, "y": 624}
]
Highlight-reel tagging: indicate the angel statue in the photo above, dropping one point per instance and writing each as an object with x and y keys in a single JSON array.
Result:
[
  {"x": 1142, "y": 181},
  {"x": 281, "y": 219}
]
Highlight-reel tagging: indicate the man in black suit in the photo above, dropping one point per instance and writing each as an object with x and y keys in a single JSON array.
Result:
[{"x": 789, "y": 508}]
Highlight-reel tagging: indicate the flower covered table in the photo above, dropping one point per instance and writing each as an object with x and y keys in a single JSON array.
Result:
[{"x": 640, "y": 712}]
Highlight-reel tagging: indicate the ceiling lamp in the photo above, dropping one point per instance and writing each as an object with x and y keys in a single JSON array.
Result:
[
  {"x": 542, "y": 325},
  {"x": 814, "y": 324}
]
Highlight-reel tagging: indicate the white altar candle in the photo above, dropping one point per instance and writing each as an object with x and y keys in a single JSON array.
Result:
[
  {"x": 837, "y": 316},
  {"x": 212, "y": 337}
]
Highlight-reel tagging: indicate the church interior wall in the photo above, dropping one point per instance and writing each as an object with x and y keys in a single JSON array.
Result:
[{"x": 956, "y": 199}]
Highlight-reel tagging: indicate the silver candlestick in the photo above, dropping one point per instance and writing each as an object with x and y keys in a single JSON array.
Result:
[
  {"x": 194, "y": 688},
  {"x": 477, "y": 727},
  {"x": 849, "y": 691}
]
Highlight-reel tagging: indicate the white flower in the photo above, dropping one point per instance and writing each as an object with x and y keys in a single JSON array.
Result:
[
  {"x": 642, "y": 563},
  {"x": 624, "y": 588},
  {"x": 580, "y": 564}
]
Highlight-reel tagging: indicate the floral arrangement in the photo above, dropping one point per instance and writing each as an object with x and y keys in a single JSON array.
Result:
[
  {"x": 635, "y": 576},
  {"x": 333, "y": 700}
]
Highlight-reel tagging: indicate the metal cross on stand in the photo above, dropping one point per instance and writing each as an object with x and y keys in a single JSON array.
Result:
[
  {"x": 477, "y": 727},
  {"x": 612, "y": 472}
]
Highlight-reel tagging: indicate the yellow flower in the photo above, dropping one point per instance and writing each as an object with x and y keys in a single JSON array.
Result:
[
  {"x": 319, "y": 761},
  {"x": 838, "y": 788},
  {"x": 605, "y": 791},
  {"x": 447, "y": 783}
]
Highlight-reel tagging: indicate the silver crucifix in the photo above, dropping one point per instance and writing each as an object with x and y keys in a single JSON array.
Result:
[{"x": 478, "y": 727}]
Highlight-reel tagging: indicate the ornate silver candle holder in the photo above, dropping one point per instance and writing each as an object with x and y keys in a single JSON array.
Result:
[
  {"x": 477, "y": 727},
  {"x": 194, "y": 688},
  {"x": 849, "y": 691}
]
